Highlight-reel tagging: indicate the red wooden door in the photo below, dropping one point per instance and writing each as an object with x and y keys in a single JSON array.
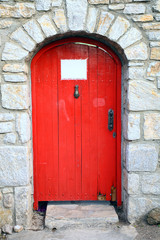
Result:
[{"x": 76, "y": 156}]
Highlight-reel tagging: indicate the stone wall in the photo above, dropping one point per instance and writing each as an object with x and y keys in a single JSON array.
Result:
[{"x": 132, "y": 28}]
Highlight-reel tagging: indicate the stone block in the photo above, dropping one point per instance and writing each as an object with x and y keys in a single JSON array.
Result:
[
  {"x": 10, "y": 138},
  {"x": 23, "y": 127},
  {"x": 151, "y": 184},
  {"x": 151, "y": 126},
  {"x": 6, "y": 127},
  {"x": 141, "y": 157},
  {"x": 131, "y": 183},
  {"x": 60, "y": 19},
  {"x": 7, "y": 190},
  {"x": 15, "y": 171},
  {"x": 158, "y": 83},
  {"x": 156, "y": 6},
  {"x": 105, "y": 21},
  {"x": 153, "y": 69},
  {"x": 137, "y": 73},
  {"x": 23, "y": 208},
  {"x": 91, "y": 19},
  {"x": 13, "y": 52},
  {"x": 5, "y": 23},
  {"x": 139, "y": 206},
  {"x": 119, "y": 27},
  {"x": 15, "y": 77},
  {"x": 155, "y": 53},
  {"x": 8, "y": 200},
  {"x": 42, "y": 5},
  {"x": 47, "y": 26},
  {"x": 116, "y": 7},
  {"x": 131, "y": 126},
  {"x": 143, "y": 18},
  {"x": 98, "y": 1},
  {"x": 34, "y": 30},
  {"x": 143, "y": 95},
  {"x": 137, "y": 52},
  {"x": 15, "y": 67},
  {"x": 56, "y": 3},
  {"x": 76, "y": 13},
  {"x": 131, "y": 36},
  {"x": 6, "y": 117},
  {"x": 6, "y": 216},
  {"x": 15, "y": 96},
  {"x": 153, "y": 35},
  {"x": 134, "y": 8},
  {"x": 23, "y": 39},
  {"x": 151, "y": 26},
  {"x": 24, "y": 10}
]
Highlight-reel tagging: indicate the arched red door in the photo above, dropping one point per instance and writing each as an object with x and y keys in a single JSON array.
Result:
[{"x": 76, "y": 95}]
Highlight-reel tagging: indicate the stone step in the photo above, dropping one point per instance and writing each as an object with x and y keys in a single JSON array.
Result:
[{"x": 81, "y": 214}]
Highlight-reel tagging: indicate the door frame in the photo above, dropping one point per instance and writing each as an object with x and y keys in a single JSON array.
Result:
[{"x": 118, "y": 94}]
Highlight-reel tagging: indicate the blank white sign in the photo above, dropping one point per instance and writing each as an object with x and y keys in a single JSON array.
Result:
[{"x": 74, "y": 69}]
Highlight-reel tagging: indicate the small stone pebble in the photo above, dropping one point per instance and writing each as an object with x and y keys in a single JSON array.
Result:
[
  {"x": 7, "y": 229},
  {"x": 18, "y": 228}
]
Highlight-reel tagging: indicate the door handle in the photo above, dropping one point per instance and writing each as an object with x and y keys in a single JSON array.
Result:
[
  {"x": 110, "y": 119},
  {"x": 76, "y": 91}
]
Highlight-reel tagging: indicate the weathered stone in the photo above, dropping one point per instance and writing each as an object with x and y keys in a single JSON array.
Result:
[
  {"x": 153, "y": 35},
  {"x": 23, "y": 207},
  {"x": 6, "y": 216},
  {"x": 47, "y": 26},
  {"x": 7, "y": 190},
  {"x": 155, "y": 53},
  {"x": 15, "y": 67},
  {"x": 118, "y": 28},
  {"x": 42, "y": 5},
  {"x": 157, "y": 17},
  {"x": 136, "y": 73},
  {"x": 8, "y": 200},
  {"x": 60, "y": 19},
  {"x": 7, "y": 229},
  {"x": 151, "y": 26},
  {"x": 91, "y": 19},
  {"x": 151, "y": 184},
  {"x": 6, "y": 127},
  {"x": 98, "y": 1},
  {"x": 23, "y": 39},
  {"x": 158, "y": 83},
  {"x": 139, "y": 206},
  {"x": 116, "y": 6},
  {"x": 135, "y": 64},
  {"x": 143, "y": 95},
  {"x": 10, "y": 138},
  {"x": 131, "y": 126},
  {"x": 130, "y": 37},
  {"x": 6, "y": 117},
  {"x": 56, "y": 3},
  {"x": 23, "y": 127},
  {"x": 15, "y": 96},
  {"x": 150, "y": 78},
  {"x": 156, "y": 6},
  {"x": 76, "y": 12},
  {"x": 141, "y": 157},
  {"x": 5, "y": 23},
  {"x": 105, "y": 21},
  {"x": 154, "y": 69},
  {"x": 131, "y": 183},
  {"x": 18, "y": 228},
  {"x": 137, "y": 52},
  {"x": 134, "y": 8},
  {"x": 15, "y": 77},
  {"x": 13, "y": 52},
  {"x": 153, "y": 216},
  {"x": 34, "y": 30},
  {"x": 154, "y": 44},
  {"x": 143, "y": 18},
  {"x": 24, "y": 10},
  {"x": 15, "y": 170},
  {"x": 151, "y": 126}
]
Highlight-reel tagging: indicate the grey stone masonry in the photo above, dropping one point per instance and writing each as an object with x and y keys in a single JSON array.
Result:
[{"x": 132, "y": 29}]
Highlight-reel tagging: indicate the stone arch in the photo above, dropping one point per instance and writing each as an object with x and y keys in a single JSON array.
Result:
[{"x": 119, "y": 33}]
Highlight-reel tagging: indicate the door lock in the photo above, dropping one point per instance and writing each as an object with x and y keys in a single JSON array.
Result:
[
  {"x": 110, "y": 119},
  {"x": 76, "y": 91}
]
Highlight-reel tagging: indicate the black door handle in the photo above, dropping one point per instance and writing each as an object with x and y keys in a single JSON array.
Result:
[
  {"x": 110, "y": 119},
  {"x": 76, "y": 91}
]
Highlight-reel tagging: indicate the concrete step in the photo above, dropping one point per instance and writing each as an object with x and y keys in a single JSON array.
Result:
[{"x": 81, "y": 214}]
